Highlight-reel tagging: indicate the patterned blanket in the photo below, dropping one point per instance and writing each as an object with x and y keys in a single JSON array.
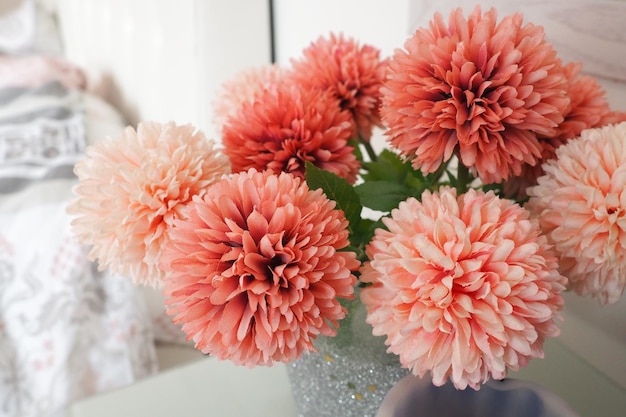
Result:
[{"x": 42, "y": 135}]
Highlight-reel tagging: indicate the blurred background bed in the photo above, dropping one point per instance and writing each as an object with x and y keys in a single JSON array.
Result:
[
  {"x": 67, "y": 331},
  {"x": 74, "y": 71},
  {"x": 71, "y": 73}
]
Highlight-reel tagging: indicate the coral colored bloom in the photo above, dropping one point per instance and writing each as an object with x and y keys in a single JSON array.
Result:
[
  {"x": 588, "y": 105},
  {"x": 132, "y": 187},
  {"x": 244, "y": 87},
  {"x": 581, "y": 204},
  {"x": 256, "y": 271},
  {"x": 351, "y": 72},
  {"x": 463, "y": 287},
  {"x": 613, "y": 118},
  {"x": 287, "y": 126},
  {"x": 588, "y": 108},
  {"x": 476, "y": 87}
]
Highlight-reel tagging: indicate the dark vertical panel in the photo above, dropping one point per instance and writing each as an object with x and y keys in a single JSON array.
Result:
[{"x": 272, "y": 32}]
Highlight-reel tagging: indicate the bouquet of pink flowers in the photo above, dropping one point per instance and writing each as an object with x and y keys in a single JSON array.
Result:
[{"x": 503, "y": 186}]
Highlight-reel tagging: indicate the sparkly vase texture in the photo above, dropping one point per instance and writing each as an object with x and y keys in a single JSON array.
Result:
[{"x": 349, "y": 375}]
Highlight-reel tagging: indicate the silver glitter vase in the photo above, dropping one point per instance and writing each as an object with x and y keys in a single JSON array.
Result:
[{"x": 350, "y": 374}]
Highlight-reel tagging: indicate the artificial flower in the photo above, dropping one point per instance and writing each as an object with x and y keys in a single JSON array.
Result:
[
  {"x": 127, "y": 200},
  {"x": 475, "y": 87},
  {"x": 352, "y": 72},
  {"x": 588, "y": 108},
  {"x": 285, "y": 127},
  {"x": 464, "y": 287},
  {"x": 580, "y": 202},
  {"x": 244, "y": 87},
  {"x": 255, "y": 268}
]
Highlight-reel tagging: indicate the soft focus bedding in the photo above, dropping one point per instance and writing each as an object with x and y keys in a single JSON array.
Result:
[{"x": 67, "y": 330}]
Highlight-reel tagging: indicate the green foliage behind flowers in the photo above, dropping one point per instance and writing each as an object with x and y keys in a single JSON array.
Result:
[{"x": 387, "y": 180}]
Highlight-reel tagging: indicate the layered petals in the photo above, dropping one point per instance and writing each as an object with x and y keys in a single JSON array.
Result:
[
  {"x": 285, "y": 127},
  {"x": 244, "y": 87},
  {"x": 478, "y": 88},
  {"x": 588, "y": 108},
  {"x": 256, "y": 271},
  {"x": 127, "y": 200},
  {"x": 351, "y": 72},
  {"x": 464, "y": 287},
  {"x": 581, "y": 204}
]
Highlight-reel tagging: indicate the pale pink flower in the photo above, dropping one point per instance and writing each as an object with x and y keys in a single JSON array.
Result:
[
  {"x": 256, "y": 271},
  {"x": 463, "y": 287},
  {"x": 352, "y": 72},
  {"x": 588, "y": 108},
  {"x": 285, "y": 127},
  {"x": 132, "y": 188},
  {"x": 244, "y": 87},
  {"x": 581, "y": 204},
  {"x": 482, "y": 89}
]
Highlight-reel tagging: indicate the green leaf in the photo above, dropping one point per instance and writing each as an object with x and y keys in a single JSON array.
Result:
[
  {"x": 383, "y": 195},
  {"x": 337, "y": 189},
  {"x": 416, "y": 182},
  {"x": 367, "y": 229},
  {"x": 452, "y": 178},
  {"x": 388, "y": 167}
]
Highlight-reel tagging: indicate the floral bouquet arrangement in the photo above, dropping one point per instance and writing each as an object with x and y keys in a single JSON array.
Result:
[{"x": 503, "y": 185}]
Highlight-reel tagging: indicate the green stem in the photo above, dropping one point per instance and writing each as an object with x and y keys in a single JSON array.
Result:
[
  {"x": 369, "y": 149},
  {"x": 463, "y": 178}
]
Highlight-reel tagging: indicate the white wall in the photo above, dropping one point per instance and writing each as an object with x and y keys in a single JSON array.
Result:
[
  {"x": 163, "y": 60},
  {"x": 384, "y": 24}
]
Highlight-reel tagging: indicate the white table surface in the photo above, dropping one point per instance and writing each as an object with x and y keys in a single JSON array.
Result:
[{"x": 209, "y": 387}]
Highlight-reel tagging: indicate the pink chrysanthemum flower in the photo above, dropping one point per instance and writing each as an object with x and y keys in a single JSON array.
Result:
[
  {"x": 255, "y": 270},
  {"x": 476, "y": 87},
  {"x": 588, "y": 108},
  {"x": 285, "y": 127},
  {"x": 463, "y": 287},
  {"x": 588, "y": 105},
  {"x": 581, "y": 204},
  {"x": 132, "y": 187},
  {"x": 351, "y": 72},
  {"x": 244, "y": 87}
]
